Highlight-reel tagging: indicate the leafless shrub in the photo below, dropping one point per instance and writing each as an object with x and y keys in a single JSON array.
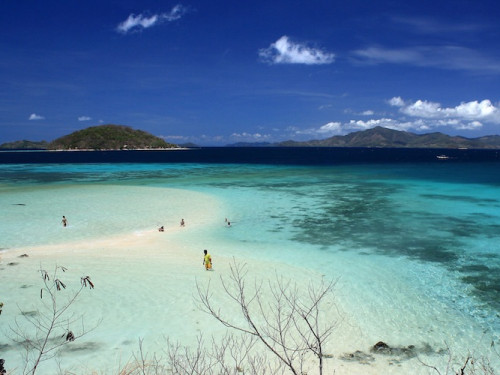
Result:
[
  {"x": 289, "y": 325},
  {"x": 50, "y": 327}
]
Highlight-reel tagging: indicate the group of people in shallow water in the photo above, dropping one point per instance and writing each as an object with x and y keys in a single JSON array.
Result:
[
  {"x": 162, "y": 228},
  {"x": 207, "y": 259}
]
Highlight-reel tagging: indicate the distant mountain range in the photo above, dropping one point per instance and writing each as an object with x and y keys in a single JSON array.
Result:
[
  {"x": 384, "y": 137},
  {"x": 116, "y": 137}
]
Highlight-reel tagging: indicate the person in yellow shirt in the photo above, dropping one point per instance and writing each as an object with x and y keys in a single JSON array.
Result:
[{"x": 207, "y": 260}]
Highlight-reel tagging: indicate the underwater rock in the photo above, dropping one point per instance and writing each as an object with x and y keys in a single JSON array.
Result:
[
  {"x": 380, "y": 346},
  {"x": 358, "y": 356},
  {"x": 405, "y": 351},
  {"x": 88, "y": 347},
  {"x": 2, "y": 369},
  {"x": 12, "y": 264}
]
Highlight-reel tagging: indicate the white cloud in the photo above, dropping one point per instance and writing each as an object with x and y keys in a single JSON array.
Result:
[
  {"x": 177, "y": 12},
  {"x": 423, "y": 109},
  {"x": 34, "y": 116},
  {"x": 396, "y": 102},
  {"x": 466, "y": 111},
  {"x": 327, "y": 130},
  {"x": 284, "y": 51},
  {"x": 473, "y": 125},
  {"x": 136, "y": 23},
  {"x": 367, "y": 113},
  {"x": 84, "y": 118},
  {"x": 477, "y": 110},
  {"x": 331, "y": 127}
]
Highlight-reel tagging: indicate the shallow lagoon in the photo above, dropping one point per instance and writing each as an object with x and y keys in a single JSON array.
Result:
[{"x": 414, "y": 247}]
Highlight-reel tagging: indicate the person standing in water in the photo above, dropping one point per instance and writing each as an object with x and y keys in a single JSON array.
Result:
[
  {"x": 207, "y": 260},
  {"x": 64, "y": 221}
]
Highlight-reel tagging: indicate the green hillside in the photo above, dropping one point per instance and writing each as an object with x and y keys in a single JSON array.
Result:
[{"x": 109, "y": 137}]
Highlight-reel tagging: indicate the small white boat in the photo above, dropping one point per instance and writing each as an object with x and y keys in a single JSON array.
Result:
[{"x": 442, "y": 157}]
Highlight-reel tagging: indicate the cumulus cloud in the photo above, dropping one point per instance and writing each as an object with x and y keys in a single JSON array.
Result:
[
  {"x": 84, "y": 118},
  {"x": 284, "y": 51},
  {"x": 478, "y": 111},
  {"x": 471, "y": 125},
  {"x": 396, "y": 102},
  {"x": 34, "y": 116},
  {"x": 423, "y": 109},
  {"x": 141, "y": 21}
]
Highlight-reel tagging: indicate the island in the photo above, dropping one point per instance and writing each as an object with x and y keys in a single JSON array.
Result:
[{"x": 102, "y": 137}]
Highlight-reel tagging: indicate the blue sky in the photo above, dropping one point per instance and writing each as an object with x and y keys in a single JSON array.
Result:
[{"x": 218, "y": 72}]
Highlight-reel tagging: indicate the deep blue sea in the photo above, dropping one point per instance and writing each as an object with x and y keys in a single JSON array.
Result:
[
  {"x": 412, "y": 237},
  {"x": 253, "y": 155}
]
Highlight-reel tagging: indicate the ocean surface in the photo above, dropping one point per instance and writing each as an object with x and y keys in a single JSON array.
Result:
[{"x": 412, "y": 239}]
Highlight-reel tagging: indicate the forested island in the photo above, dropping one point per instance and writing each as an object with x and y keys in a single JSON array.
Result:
[{"x": 103, "y": 137}]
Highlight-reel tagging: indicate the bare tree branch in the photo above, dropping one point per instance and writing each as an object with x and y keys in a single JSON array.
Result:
[
  {"x": 51, "y": 323},
  {"x": 287, "y": 324}
]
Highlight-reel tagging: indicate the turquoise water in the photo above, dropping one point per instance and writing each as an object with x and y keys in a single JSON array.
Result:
[{"x": 415, "y": 247}]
